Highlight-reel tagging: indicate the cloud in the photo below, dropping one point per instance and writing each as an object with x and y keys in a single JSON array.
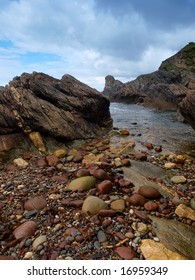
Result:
[{"x": 93, "y": 38}]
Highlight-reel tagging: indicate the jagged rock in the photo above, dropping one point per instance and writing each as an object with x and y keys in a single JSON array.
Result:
[
  {"x": 176, "y": 236},
  {"x": 172, "y": 86},
  {"x": 37, "y": 107}
]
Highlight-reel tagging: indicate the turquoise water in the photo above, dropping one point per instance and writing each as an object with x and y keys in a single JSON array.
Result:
[{"x": 160, "y": 128}]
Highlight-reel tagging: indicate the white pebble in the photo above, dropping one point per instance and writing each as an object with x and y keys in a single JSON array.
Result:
[
  {"x": 28, "y": 255},
  {"x": 156, "y": 239}
]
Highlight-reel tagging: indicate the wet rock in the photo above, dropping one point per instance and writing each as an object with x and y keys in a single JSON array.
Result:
[
  {"x": 20, "y": 162},
  {"x": 125, "y": 253},
  {"x": 178, "y": 179},
  {"x": 82, "y": 183},
  {"x": 118, "y": 205},
  {"x": 93, "y": 205},
  {"x": 52, "y": 160},
  {"x": 150, "y": 206},
  {"x": 38, "y": 241},
  {"x": 152, "y": 250},
  {"x": 184, "y": 211},
  {"x": 104, "y": 187},
  {"x": 136, "y": 199},
  {"x": 35, "y": 203},
  {"x": 149, "y": 192},
  {"x": 25, "y": 230}
]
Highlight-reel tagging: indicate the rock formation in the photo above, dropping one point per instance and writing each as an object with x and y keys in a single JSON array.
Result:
[
  {"x": 172, "y": 86},
  {"x": 36, "y": 106}
]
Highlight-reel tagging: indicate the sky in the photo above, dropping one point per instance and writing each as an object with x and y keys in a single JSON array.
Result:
[{"x": 90, "y": 39}]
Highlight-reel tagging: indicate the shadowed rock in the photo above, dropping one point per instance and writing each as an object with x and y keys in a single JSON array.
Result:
[{"x": 63, "y": 109}]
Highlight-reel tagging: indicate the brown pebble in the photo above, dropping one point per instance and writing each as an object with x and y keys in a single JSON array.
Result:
[
  {"x": 35, "y": 203},
  {"x": 7, "y": 258},
  {"x": 125, "y": 183},
  {"x": 107, "y": 213},
  {"x": 136, "y": 199},
  {"x": 150, "y": 206},
  {"x": 52, "y": 160},
  {"x": 82, "y": 172},
  {"x": 24, "y": 230},
  {"x": 54, "y": 255},
  {"x": 100, "y": 174},
  {"x": 149, "y": 192},
  {"x": 125, "y": 253},
  {"x": 104, "y": 187},
  {"x": 140, "y": 214}
]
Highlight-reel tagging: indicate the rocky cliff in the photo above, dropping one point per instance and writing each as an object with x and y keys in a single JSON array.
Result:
[
  {"x": 36, "y": 106},
  {"x": 172, "y": 86}
]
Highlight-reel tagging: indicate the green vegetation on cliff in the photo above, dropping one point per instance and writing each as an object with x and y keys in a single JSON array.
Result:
[{"x": 183, "y": 60}]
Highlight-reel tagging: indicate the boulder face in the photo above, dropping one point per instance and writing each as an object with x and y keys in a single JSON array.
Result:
[
  {"x": 64, "y": 109},
  {"x": 171, "y": 87}
]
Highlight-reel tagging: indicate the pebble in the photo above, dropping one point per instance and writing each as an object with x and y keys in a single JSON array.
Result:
[
  {"x": 28, "y": 255},
  {"x": 125, "y": 253},
  {"x": 82, "y": 183},
  {"x": 20, "y": 162},
  {"x": 140, "y": 214},
  {"x": 118, "y": 205},
  {"x": 101, "y": 236},
  {"x": 192, "y": 203},
  {"x": 178, "y": 179},
  {"x": 140, "y": 227},
  {"x": 104, "y": 187},
  {"x": 184, "y": 211},
  {"x": 149, "y": 192},
  {"x": 35, "y": 203},
  {"x": 150, "y": 206},
  {"x": 25, "y": 230},
  {"x": 136, "y": 199},
  {"x": 170, "y": 165},
  {"x": 38, "y": 241},
  {"x": 129, "y": 235},
  {"x": 93, "y": 204}
]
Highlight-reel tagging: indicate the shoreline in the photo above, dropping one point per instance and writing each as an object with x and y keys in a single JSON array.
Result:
[{"x": 40, "y": 192}]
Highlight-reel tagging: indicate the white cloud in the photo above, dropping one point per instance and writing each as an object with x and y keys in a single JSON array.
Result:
[{"x": 87, "y": 42}]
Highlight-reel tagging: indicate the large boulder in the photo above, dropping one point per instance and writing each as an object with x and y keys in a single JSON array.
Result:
[{"x": 40, "y": 106}]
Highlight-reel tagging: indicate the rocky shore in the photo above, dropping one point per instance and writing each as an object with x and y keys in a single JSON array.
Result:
[{"x": 109, "y": 198}]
